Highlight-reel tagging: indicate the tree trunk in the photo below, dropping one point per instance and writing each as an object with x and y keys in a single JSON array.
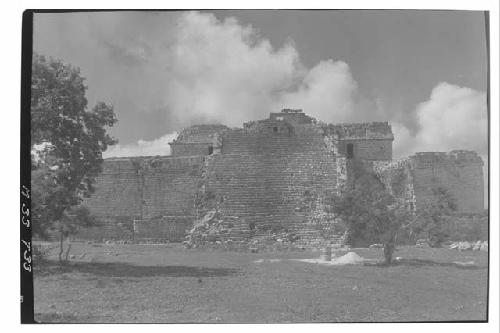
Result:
[
  {"x": 67, "y": 252},
  {"x": 61, "y": 248},
  {"x": 388, "y": 251},
  {"x": 389, "y": 247}
]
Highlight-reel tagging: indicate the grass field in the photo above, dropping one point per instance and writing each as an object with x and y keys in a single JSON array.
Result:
[{"x": 169, "y": 284}]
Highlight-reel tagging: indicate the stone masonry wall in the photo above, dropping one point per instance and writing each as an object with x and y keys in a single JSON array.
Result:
[
  {"x": 370, "y": 150},
  {"x": 170, "y": 185},
  {"x": 189, "y": 149},
  {"x": 415, "y": 177},
  {"x": 117, "y": 189},
  {"x": 143, "y": 189},
  {"x": 370, "y": 141},
  {"x": 459, "y": 171}
]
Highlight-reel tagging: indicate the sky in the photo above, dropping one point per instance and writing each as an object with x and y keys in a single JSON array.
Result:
[{"x": 423, "y": 71}]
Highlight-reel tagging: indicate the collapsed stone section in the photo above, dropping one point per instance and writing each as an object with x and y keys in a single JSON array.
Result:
[
  {"x": 414, "y": 178},
  {"x": 398, "y": 178}
]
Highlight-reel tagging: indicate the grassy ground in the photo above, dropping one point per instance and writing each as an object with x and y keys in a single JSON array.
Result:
[{"x": 167, "y": 284}]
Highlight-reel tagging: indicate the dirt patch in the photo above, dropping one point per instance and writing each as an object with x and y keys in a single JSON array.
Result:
[{"x": 350, "y": 258}]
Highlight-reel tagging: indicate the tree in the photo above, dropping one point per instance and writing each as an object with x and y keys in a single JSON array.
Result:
[
  {"x": 368, "y": 211},
  {"x": 73, "y": 218},
  {"x": 67, "y": 143}
]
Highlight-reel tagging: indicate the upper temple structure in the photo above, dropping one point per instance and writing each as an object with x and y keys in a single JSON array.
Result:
[{"x": 268, "y": 174}]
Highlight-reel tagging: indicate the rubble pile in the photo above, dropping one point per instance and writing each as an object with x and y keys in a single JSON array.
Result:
[
  {"x": 470, "y": 246},
  {"x": 275, "y": 241},
  {"x": 232, "y": 233},
  {"x": 210, "y": 229},
  {"x": 423, "y": 243},
  {"x": 214, "y": 230}
]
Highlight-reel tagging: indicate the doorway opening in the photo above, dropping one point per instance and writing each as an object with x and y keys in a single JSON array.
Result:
[{"x": 350, "y": 150}]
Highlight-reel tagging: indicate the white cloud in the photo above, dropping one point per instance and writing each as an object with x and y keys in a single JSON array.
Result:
[
  {"x": 404, "y": 141},
  {"x": 221, "y": 71},
  {"x": 453, "y": 118},
  {"x": 326, "y": 92},
  {"x": 155, "y": 147}
]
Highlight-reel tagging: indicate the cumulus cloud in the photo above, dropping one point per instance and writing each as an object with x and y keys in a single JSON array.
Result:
[
  {"x": 404, "y": 141},
  {"x": 326, "y": 92},
  {"x": 208, "y": 70},
  {"x": 159, "y": 146},
  {"x": 222, "y": 71},
  {"x": 454, "y": 117}
]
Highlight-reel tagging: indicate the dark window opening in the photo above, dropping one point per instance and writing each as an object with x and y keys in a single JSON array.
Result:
[
  {"x": 350, "y": 150},
  {"x": 275, "y": 129},
  {"x": 210, "y": 150}
]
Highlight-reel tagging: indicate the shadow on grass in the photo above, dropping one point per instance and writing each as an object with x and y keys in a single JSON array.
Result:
[
  {"x": 127, "y": 270},
  {"x": 426, "y": 262}
]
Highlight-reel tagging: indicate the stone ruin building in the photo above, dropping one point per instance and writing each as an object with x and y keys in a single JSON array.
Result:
[{"x": 269, "y": 175}]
